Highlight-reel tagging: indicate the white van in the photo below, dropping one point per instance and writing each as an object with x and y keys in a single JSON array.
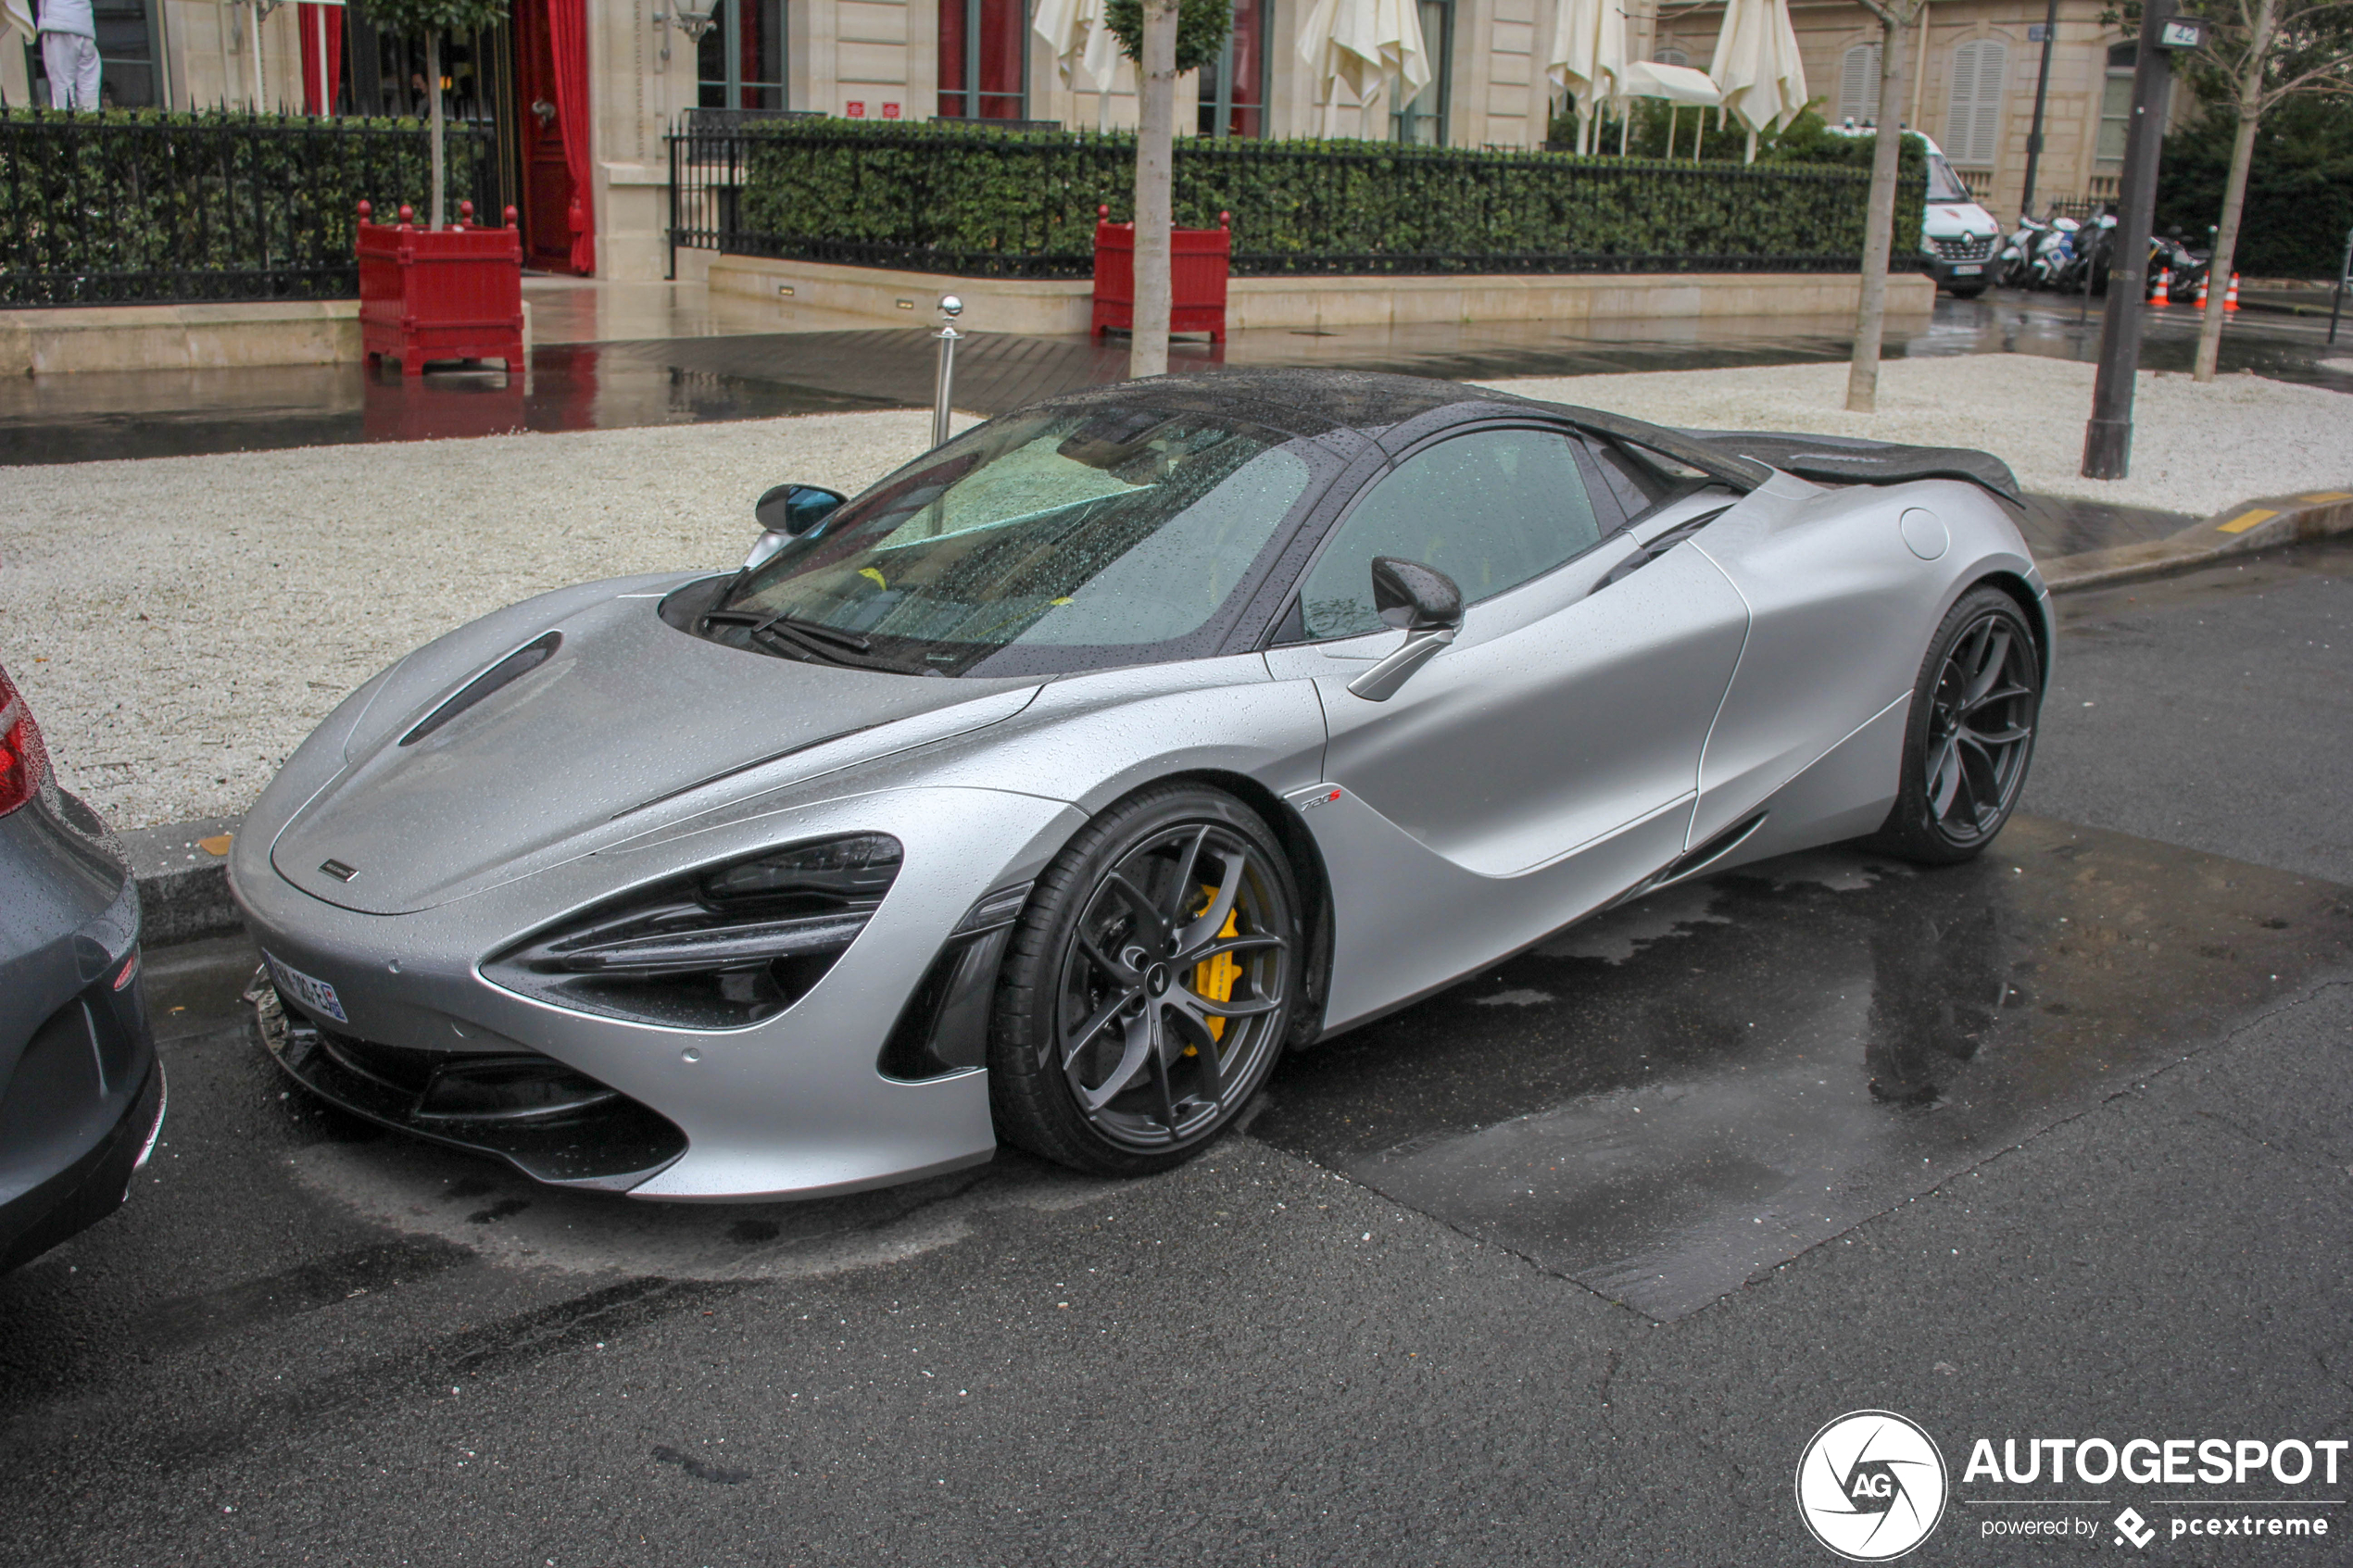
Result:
[{"x": 1958, "y": 238}]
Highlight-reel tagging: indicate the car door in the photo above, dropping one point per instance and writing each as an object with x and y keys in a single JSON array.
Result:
[{"x": 1544, "y": 762}]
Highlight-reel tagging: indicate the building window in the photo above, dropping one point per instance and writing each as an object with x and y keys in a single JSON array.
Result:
[
  {"x": 1421, "y": 119},
  {"x": 1859, "y": 85},
  {"x": 1233, "y": 91},
  {"x": 741, "y": 61},
  {"x": 2115, "y": 102},
  {"x": 1973, "y": 108},
  {"x": 983, "y": 59},
  {"x": 128, "y": 73},
  {"x": 1669, "y": 55}
]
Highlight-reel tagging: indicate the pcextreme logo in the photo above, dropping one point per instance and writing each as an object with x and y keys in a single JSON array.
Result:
[{"x": 1870, "y": 1485}]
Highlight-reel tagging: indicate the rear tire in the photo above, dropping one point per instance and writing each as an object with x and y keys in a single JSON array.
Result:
[
  {"x": 1970, "y": 735},
  {"x": 1148, "y": 986}
]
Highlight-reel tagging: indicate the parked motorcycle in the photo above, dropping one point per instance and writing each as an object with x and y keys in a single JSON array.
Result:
[
  {"x": 2017, "y": 260},
  {"x": 2167, "y": 252},
  {"x": 2054, "y": 254}
]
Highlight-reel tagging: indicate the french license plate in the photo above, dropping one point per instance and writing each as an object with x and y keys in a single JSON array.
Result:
[
  {"x": 311, "y": 992},
  {"x": 1971, "y": 270}
]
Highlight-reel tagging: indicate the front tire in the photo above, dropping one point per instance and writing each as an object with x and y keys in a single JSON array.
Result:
[
  {"x": 1149, "y": 985},
  {"x": 1970, "y": 735}
]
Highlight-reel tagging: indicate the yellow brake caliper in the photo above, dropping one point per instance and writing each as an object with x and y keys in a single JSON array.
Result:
[{"x": 1213, "y": 978}]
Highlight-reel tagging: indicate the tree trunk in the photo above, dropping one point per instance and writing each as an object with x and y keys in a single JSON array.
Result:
[
  {"x": 1879, "y": 220},
  {"x": 1148, "y": 345},
  {"x": 432, "y": 96},
  {"x": 2226, "y": 235}
]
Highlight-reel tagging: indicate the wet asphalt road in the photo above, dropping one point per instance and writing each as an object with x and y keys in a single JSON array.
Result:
[{"x": 1534, "y": 1272}]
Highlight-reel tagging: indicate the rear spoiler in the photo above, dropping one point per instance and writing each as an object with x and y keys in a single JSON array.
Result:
[{"x": 1840, "y": 459}]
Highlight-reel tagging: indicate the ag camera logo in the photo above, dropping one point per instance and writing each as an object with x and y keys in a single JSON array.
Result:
[{"x": 1870, "y": 1485}]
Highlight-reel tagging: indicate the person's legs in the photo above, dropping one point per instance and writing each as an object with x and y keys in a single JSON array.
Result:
[
  {"x": 71, "y": 61},
  {"x": 58, "y": 58},
  {"x": 85, "y": 74}
]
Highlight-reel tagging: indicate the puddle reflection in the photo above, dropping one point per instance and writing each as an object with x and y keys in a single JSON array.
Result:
[{"x": 1719, "y": 1077}]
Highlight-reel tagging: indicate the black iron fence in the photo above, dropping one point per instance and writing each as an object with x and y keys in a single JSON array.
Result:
[
  {"x": 111, "y": 208},
  {"x": 936, "y": 198}
]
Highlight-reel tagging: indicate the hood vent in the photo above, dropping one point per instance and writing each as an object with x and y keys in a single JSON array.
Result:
[{"x": 514, "y": 667}]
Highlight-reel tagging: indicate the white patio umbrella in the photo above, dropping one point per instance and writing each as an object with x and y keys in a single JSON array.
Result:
[
  {"x": 1588, "y": 58},
  {"x": 1082, "y": 44},
  {"x": 1681, "y": 87},
  {"x": 1361, "y": 44},
  {"x": 1759, "y": 68}
]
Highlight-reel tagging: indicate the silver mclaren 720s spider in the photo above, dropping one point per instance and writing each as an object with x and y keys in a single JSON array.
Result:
[{"x": 1050, "y": 789}]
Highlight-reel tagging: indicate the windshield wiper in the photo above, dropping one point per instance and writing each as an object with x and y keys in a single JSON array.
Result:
[
  {"x": 794, "y": 635},
  {"x": 819, "y": 629}
]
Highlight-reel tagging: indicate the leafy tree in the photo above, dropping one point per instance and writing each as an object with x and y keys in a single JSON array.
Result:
[
  {"x": 1166, "y": 38},
  {"x": 1202, "y": 27},
  {"x": 430, "y": 19},
  {"x": 2258, "y": 55},
  {"x": 1896, "y": 18}
]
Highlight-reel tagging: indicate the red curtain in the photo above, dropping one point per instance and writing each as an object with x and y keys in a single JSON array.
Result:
[
  {"x": 568, "y": 42},
  {"x": 321, "y": 56}
]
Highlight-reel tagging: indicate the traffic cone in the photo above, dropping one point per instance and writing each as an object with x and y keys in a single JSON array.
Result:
[
  {"x": 2200, "y": 303},
  {"x": 2164, "y": 281},
  {"x": 2231, "y": 294}
]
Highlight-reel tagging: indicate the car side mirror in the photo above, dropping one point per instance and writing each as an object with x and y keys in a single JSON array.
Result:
[
  {"x": 783, "y": 513},
  {"x": 1423, "y": 600},
  {"x": 795, "y": 509},
  {"x": 1418, "y": 598}
]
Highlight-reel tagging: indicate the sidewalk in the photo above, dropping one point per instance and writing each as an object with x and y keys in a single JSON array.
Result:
[{"x": 681, "y": 362}]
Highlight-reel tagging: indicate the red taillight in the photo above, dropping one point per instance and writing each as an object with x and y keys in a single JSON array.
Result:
[{"x": 24, "y": 761}]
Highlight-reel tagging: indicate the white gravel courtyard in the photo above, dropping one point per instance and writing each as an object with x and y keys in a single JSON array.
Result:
[{"x": 181, "y": 623}]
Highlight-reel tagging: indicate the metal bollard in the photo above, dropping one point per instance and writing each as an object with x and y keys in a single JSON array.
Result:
[{"x": 950, "y": 308}]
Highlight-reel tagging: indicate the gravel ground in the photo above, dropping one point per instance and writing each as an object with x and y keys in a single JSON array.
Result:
[
  {"x": 181, "y": 623},
  {"x": 2195, "y": 448}
]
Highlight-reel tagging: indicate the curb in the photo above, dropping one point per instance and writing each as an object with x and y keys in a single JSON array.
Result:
[
  {"x": 182, "y": 867},
  {"x": 182, "y": 872},
  {"x": 2262, "y": 524}
]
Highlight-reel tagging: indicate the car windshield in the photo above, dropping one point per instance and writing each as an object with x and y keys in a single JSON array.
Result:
[
  {"x": 1944, "y": 186},
  {"x": 1100, "y": 529}
]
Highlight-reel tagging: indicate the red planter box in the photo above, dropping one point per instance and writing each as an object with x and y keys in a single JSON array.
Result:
[
  {"x": 440, "y": 293},
  {"x": 1199, "y": 260}
]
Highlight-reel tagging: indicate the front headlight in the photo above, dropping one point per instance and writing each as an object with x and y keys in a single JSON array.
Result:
[{"x": 717, "y": 948}]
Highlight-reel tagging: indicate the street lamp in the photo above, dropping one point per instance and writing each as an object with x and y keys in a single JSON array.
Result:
[{"x": 688, "y": 18}]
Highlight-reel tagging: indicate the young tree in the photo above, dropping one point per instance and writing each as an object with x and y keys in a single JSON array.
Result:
[
  {"x": 2258, "y": 53},
  {"x": 1165, "y": 39},
  {"x": 1896, "y": 19},
  {"x": 430, "y": 19}
]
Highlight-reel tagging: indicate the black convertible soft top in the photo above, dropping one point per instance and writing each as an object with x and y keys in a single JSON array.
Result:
[{"x": 1840, "y": 459}]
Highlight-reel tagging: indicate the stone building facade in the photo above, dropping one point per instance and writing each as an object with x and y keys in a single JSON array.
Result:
[{"x": 917, "y": 59}]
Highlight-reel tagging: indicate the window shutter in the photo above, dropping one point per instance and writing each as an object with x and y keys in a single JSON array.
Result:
[
  {"x": 1973, "y": 111},
  {"x": 1858, "y": 84}
]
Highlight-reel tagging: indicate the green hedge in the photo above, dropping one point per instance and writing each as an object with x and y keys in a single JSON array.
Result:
[
  {"x": 952, "y": 198},
  {"x": 119, "y": 206},
  {"x": 2299, "y": 188}
]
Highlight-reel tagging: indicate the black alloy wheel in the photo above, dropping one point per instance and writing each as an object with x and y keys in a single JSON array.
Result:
[
  {"x": 1970, "y": 735},
  {"x": 1148, "y": 986}
]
